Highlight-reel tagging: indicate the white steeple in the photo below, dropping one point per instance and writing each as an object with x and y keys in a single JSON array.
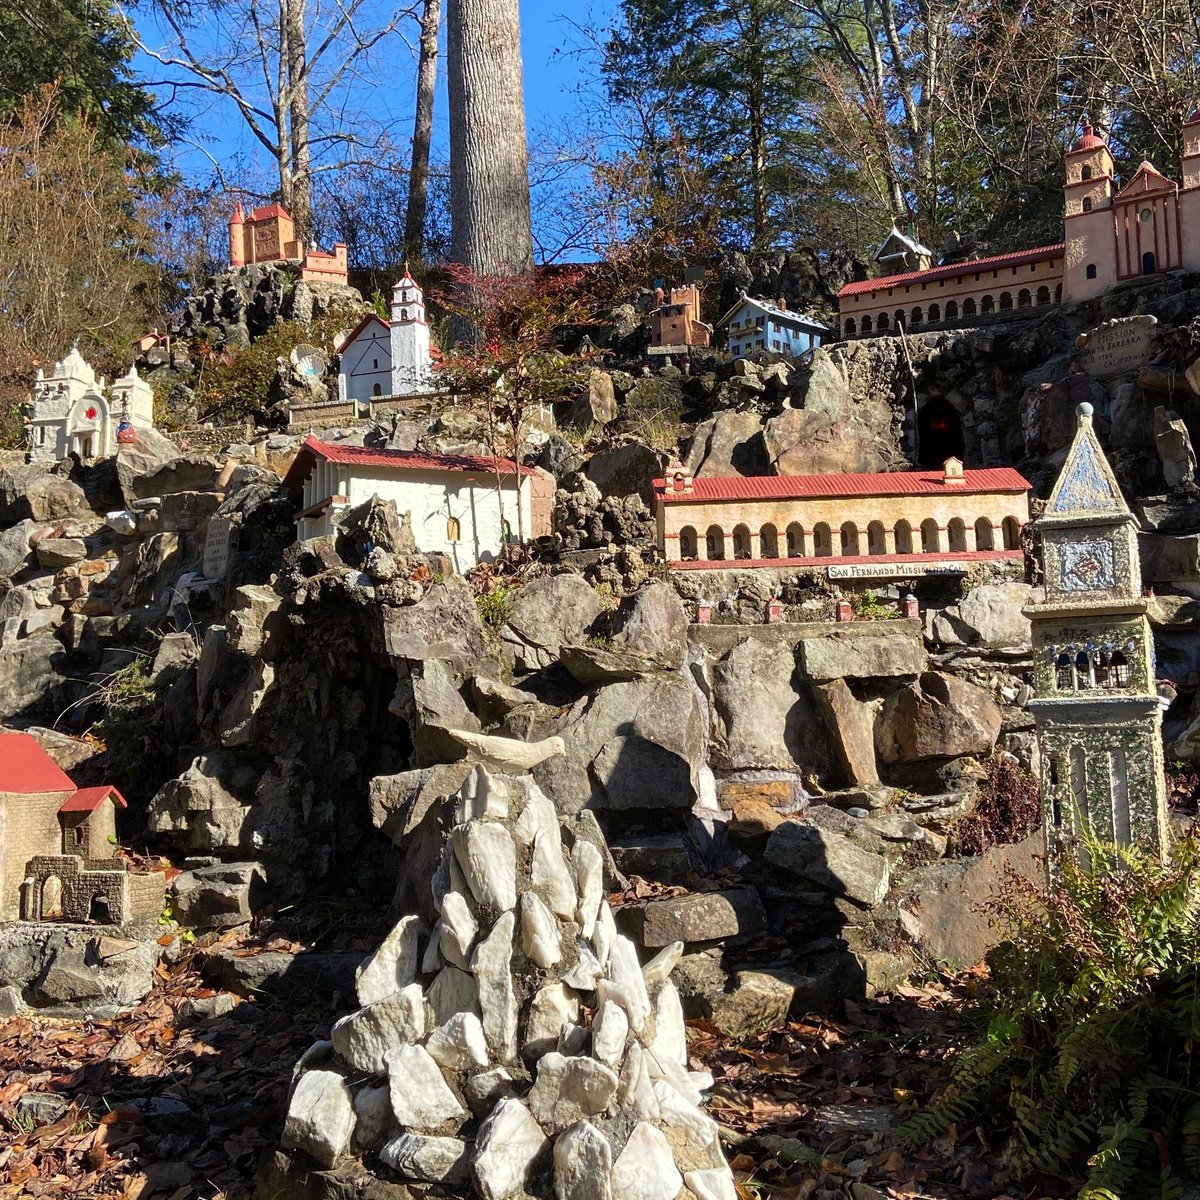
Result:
[{"x": 411, "y": 361}]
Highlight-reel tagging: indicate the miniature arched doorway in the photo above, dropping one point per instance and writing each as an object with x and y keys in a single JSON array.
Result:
[
  {"x": 951, "y": 310},
  {"x": 931, "y": 538},
  {"x": 822, "y": 540},
  {"x": 795, "y": 540},
  {"x": 851, "y": 327},
  {"x": 715, "y": 543},
  {"x": 904, "y": 537},
  {"x": 1012, "y": 533},
  {"x": 939, "y": 434},
  {"x": 968, "y": 307},
  {"x": 956, "y": 535},
  {"x": 849, "y": 539},
  {"x": 1149, "y": 263},
  {"x": 687, "y": 542},
  {"x": 984, "y": 535},
  {"x": 876, "y": 538},
  {"x": 377, "y": 389},
  {"x": 100, "y": 910},
  {"x": 866, "y": 325},
  {"x": 768, "y": 541},
  {"x": 741, "y": 542},
  {"x": 52, "y": 898}
]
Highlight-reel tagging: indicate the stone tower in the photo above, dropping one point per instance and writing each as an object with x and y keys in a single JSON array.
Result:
[
  {"x": 411, "y": 361},
  {"x": 1089, "y": 267},
  {"x": 1099, "y": 719}
]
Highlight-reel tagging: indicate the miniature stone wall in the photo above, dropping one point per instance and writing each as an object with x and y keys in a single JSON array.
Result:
[
  {"x": 521, "y": 1045},
  {"x": 125, "y": 896}
]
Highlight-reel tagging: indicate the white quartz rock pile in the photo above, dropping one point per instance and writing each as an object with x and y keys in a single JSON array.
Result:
[{"x": 519, "y": 1047}]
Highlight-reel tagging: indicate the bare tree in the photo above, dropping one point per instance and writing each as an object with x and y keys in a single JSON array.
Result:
[
  {"x": 288, "y": 71},
  {"x": 418, "y": 176},
  {"x": 489, "y": 169}
]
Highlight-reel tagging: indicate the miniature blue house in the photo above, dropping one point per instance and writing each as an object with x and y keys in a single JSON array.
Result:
[{"x": 762, "y": 325}]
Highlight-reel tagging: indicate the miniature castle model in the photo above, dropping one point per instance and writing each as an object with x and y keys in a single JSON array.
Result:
[
  {"x": 70, "y": 413},
  {"x": 1149, "y": 226},
  {"x": 675, "y": 320},
  {"x": 762, "y": 325},
  {"x": 897, "y": 524},
  {"x": 1099, "y": 718},
  {"x": 389, "y": 358},
  {"x": 58, "y": 845},
  {"x": 460, "y": 505},
  {"x": 268, "y": 235}
]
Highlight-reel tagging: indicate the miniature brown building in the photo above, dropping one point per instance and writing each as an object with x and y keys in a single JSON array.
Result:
[
  {"x": 676, "y": 324},
  {"x": 58, "y": 845},
  {"x": 268, "y": 234}
]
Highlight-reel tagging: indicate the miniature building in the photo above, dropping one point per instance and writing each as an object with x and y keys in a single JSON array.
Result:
[
  {"x": 1099, "y": 719},
  {"x": 761, "y": 325},
  {"x": 895, "y": 524},
  {"x": 268, "y": 235},
  {"x": 675, "y": 321},
  {"x": 71, "y": 414},
  {"x": 389, "y": 358},
  {"x": 901, "y": 252},
  {"x": 1148, "y": 226},
  {"x": 58, "y": 845},
  {"x": 463, "y": 506}
]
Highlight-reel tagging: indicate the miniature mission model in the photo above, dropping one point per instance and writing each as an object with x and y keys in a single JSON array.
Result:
[{"x": 1148, "y": 226}]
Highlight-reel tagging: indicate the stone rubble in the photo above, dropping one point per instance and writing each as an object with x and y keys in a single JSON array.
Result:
[{"x": 522, "y": 1045}]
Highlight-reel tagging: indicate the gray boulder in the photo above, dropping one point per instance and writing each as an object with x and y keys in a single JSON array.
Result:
[
  {"x": 15, "y": 554},
  {"x": 626, "y": 470},
  {"x": 729, "y": 443},
  {"x": 938, "y": 716},
  {"x": 221, "y": 896},
  {"x": 653, "y": 622},
  {"x": 850, "y": 725},
  {"x": 877, "y": 655},
  {"x": 547, "y": 614},
  {"x": 443, "y": 624},
  {"x": 32, "y": 672},
  {"x": 829, "y": 861},
  {"x": 989, "y": 615},
  {"x": 55, "y": 498}
]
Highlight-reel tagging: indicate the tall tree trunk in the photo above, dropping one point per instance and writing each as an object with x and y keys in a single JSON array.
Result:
[
  {"x": 297, "y": 90},
  {"x": 489, "y": 169},
  {"x": 418, "y": 175}
]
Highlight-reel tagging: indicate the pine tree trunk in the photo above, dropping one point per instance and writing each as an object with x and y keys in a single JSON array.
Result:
[
  {"x": 297, "y": 79},
  {"x": 489, "y": 170},
  {"x": 418, "y": 176}
]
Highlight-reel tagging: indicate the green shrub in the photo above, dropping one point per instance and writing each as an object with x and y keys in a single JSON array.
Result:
[{"x": 1092, "y": 1018}]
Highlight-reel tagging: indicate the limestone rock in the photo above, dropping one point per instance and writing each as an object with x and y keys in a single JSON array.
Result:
[
  {"x": 850, "y": 726},
  {"x": 989, "y": 615},
  {"x": 829, "y": 861},
  {"x": 393, "y": 966},
  {"x": 582, "y": 1164},
  {"x": 883, "y": 655},
  {"x": 714, "y": 1184},
  {"x": 549, "y": 875},
  {"x": 552, "y": 1007},
  {"x": 457, "y": 929},
  {"x": 670, "y": 1041},
  {"x": 548, "y": 613},
  {"x": 610, "y": 1029},
  {"x": 539, "y": 931},
  {"x": 568, "y": 1090},
  {"x": 645, "y": 1168},
  {"x": 15, "y": 553},
  {"x": 699, "y": 917},
  {"x": 320, "y": 1117},
  {"x": 487, "y": 856},
  {"x": 589, "y": 879},
  {"x": 363, "y": 1039},
  {"x": 626, "y": 974},
  {"x": 221, "y": 896},
  {"x": 420, "y": 1098},
  {"x": 755, "y": 1000},
  {"x": 507, "y": 1149},
  {"x": 939, "y": 716},
  {"x": 372, "y": 1116},
  {"x": 491, "y": 965},
  {"x": 652, "y": 622},
  {"x": 459, "y": 1044},
  {"x": 452, "y": 991},
  {"x": 430, "y": 1159}
]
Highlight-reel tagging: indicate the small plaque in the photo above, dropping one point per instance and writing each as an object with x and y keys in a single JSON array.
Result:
[
  {"x": 216, "y": 547},
  {"x": 885, "y": 570},
  {"x": 1117, "y": 347}
]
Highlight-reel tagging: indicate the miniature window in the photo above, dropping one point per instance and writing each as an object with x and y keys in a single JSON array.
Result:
[
  {"x": 375, "y": 364},
  {"x": 1085, "y": 172},
  {"x": 1087, "y": 204},
  {"x": 714, "y": 541},
  {"x": 741, "y": 542},
  {"x": 849, "y": 538},
  {"x": 768, "y": 540},
  {"x": 904, "y": 537},
  {"x": 851, "y": 327},
  {"x": 1083, "y": 670},
  {"x": 795, "y": 541},
  {"x": 822, "y": 540},
  {"x": 935, "y": 311},
  {"x": 987, "y": 305},
  {"x": 984, "y": 535},
  {"x": 956, "y": 533},
  {"x": 1119, "y": 670},
  {"x": 968, "y": 307},
  {"x": 78, "y": 831},
  {"x": 1064, "y": 673},
  {"x": 1012, "y": 533},
  {"x": 931, "y": 541},
  {"x": 1147, "y": 215},
  {"x": 404, "y": 314},
  {"x": 1043, "y": 296},
  {"x": 876, "y": 538},
  {"x": 866, "y": 325},
  {"x": 377, "y": 390},
  {"x": 453, "y": 529},
  {"x": 1024, "y": 299},
  {"x": 1006, "y": 302},
  {"x": 687, "y": 543},
  {"x": 1091, "y": 270}
]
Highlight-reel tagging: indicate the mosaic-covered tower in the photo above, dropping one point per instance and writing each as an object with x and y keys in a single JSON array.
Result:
[{"x": 1098, "y": 715}]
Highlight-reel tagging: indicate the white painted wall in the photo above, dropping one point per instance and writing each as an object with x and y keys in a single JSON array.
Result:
[{"x": 366, "y": 364}]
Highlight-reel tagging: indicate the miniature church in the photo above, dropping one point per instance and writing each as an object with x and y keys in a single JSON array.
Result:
[
  {"x": 73, "y": 412},
  {"x": 391, "y": 358},
  {"x": 1099, "y": 718}
]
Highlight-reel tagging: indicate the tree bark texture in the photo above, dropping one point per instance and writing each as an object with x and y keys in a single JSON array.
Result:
[
  {"x": 418, "y": 175},
  {"x": 296, "y": 44},
  {"x": 489, "y": 170}
]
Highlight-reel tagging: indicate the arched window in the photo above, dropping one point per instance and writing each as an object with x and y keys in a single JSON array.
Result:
[
  {"x": 453, "y": 529},
  {"x": 404, "y": 314},
  {"x": 768, "y": 541},
  {"x": 714, "y": 541},
  {"x": 1083, "y": 670},
  {"x": 917, "y": 315},
  {"x": 1148, "y": 263},
  {"x": 935, "y": 313},
  {"x": 376, "y": 389},
  {"x": 1024, "y": 299},
  {"x": 52, "y": 898},
  {"x": 969, "y": 307},
  {"x": 741, "y": 542},
  {"x": 1091, "y": 271},
  {"x": 951, "y": 310},
  {"x": 1100, "y": 668},
  {"x": 1119, "y": 670},
  {"x": 851, "y": 327},
  {"x": 822, "y": 540},
  {"x": 866, "y": 325},
  {"x": 1087, "y": 204},
  {"x": 984, "y": 535},
  {"x": 795, "y": 540},
  {"x": 1064, "y": 673},
  {"x": 904, "y": 537},
  {"x": 1085, "y": 172},
  {"x": 1043, "y": 296},
  {"x": 931, "y": 538},
  {"x": 1012, "y": 533},
  {"x": 901, "y": 320},
  {"x": 849, "y": 538},
  {"x": 1006, "y": 301},
  {"x": 687, "y": 543},
  {"x": 876, "y": 538},
  {"x": 956, "y": 535},
  {"x": 987, "y": 306},
  {"x": 883, "y": 321}
]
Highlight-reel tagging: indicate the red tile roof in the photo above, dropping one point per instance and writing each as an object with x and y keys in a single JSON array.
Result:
[
  {"x": 26, "y": 769},
  {"x": 90, "y": 798},
  {"x": 890, "y": 560},
  {"x": 398, "y": 460},
  {"x": 269, "y": 210},
  {"x": 1016, "y": 259},
  {"x": 888, "y": 483}
]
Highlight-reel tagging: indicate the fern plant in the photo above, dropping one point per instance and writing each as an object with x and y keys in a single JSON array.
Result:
[{"x": 1092, "y": 1021}]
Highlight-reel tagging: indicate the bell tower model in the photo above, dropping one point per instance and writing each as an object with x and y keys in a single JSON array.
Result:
[
  {"x": 1099, "y": 719},
  {"x": 1089, "y": 265},
  {"x": 411, "y": 361}
]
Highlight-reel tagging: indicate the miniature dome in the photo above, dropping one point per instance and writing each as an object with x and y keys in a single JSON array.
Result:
[{"x": 1089, "y": 139}]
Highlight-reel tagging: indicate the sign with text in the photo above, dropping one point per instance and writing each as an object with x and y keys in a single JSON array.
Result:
[
  {"x": 1117, "y": 346},
  {"x": 883, "y": 570},
  {"x": 216, "y": 547}
]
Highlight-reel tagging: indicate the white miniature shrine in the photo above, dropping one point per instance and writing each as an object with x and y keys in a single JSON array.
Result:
[
  {"x": 391, "y": 358},
  {"x": 73, "y": 412}
]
